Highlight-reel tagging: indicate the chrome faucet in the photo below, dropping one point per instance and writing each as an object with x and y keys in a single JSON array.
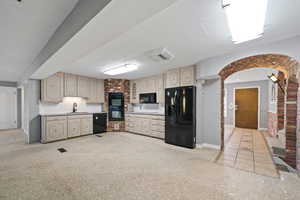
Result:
[{"x": 74, "y": 107}]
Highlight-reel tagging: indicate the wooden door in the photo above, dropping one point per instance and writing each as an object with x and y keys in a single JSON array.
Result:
[{"x": 246, "y": 108}]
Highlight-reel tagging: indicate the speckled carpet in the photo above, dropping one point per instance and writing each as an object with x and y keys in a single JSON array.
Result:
[{"x": 126, "y": 167}]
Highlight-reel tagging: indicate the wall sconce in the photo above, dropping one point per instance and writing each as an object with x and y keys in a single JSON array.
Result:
[{"x": 274, "y": 79}]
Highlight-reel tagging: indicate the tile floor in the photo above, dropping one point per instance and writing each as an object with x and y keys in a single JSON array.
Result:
[{"x": 247, "y": 150}]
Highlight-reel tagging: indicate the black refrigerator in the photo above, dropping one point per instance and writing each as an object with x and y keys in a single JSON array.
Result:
[{"x": 180, "y": 116}]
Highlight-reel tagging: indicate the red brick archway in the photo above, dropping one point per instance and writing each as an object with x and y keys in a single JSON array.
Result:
[{"x": 289, "y": 67}]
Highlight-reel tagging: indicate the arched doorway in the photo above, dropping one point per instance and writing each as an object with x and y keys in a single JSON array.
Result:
[{"x": 290, "y": 69}]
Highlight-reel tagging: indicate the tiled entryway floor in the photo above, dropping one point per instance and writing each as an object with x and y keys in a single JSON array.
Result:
[{"x": 247, "y": 150}]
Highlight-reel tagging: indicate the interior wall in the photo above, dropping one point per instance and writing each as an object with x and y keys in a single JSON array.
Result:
[
  {"x": 264, "y": 101},
  {"x": 208, "y": 112},
  {"x": 32, "y": 119}
]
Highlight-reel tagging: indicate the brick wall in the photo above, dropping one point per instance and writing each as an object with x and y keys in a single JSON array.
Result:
[
  {"x": 116, "y": 85},
  {"x": 280, "y": 101},
  {"x": 272, "y": 124}
]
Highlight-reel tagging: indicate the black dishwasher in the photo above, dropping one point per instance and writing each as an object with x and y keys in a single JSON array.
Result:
[{"x": 99, "y": 122}]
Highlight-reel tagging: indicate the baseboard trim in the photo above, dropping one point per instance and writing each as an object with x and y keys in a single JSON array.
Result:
[{"x": 205, "y": 145}]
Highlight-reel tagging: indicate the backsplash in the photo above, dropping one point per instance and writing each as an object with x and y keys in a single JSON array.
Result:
[
  {"x": 157, "y": 108},
  {"x": 67, "y": 106}
]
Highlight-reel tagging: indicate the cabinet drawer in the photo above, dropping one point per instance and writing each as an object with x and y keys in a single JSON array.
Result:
[
  {"x": 158, "y": 117},
  {"x": 157, "y": 123},
  {"x": 55, "y": 118},
  {"x": 158, "y": 128}
]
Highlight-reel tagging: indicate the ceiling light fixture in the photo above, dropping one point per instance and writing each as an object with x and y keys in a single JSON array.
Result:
[
  {"x": 122, "y": 69},
  {"x": 246, "y": 19}
]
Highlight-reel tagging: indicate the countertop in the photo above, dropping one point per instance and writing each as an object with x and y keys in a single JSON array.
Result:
[
  {"x": 146, "y": 113},
  {"x": 69, "y": 114}
]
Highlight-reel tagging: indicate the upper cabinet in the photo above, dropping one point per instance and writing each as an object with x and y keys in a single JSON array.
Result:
[
  {"x": 184, "y": 76},
  {"x": 52, "y": 88},
  {"x": 84, "y": 85},
  {"x": 96, "y": 91},
  {"x": 71, "y": 85},
  {"x": 153, "y": 84},
  {"x": 62, "y": 85},
  {"x": 187, "y": 76},
  {"x": 173, "y": 78}
]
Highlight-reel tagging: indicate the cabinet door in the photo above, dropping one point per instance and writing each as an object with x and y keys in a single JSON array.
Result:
[
  {"x": 84, "y": 87},
  {"x": 93, "y": 91},
  {"x": 56, "y": 130},
  {"x": 96, "y": 91},
  {"x": 86, "y": 125},
  {"x": 134, "y": 97},
  {"x": 160, "y": 89},
  {"x": 52, "y": 88},
  {"x": 187, "y": 76},
  {"x": 173, "y": 78},
  {"x": 73, "y": 127},
  {"x": 151, "y": 84},
  {"x": 70, "y": 85},
  {"x": 100, "y": 91}
]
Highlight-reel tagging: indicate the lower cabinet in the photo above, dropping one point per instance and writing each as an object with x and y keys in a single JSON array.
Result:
[
  {"x": 86, "y": 125},
  {"x": 150, "y": 125},
  {"x": 62, "y": 127},
  {"x": 73, "y": 127}
]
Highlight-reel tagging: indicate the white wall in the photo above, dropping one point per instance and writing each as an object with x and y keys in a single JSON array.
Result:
[
  {"x": 208, "y": 128},
  {"x": 67, "y": 106},
  {"x": 214, "y": 65}
]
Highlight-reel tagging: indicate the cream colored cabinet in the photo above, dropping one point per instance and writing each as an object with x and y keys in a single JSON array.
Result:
[
  {"x": 96, "y": 91},
  {"x": 71, "y": 85},
  {"x": 173, "y": 78},
  {"x": 134, "y": 97},
  {"x": 86, "y": 125},
  {"x": 160, "y": 93},
  {"x": 62, "y": 127},
  {"x": 84, "y": 87},
  {"x": 52, "y": 88},
  {"x": 54, "y": 128},
  {"x": 184, "y": 76},
  {"x": 149, "y": 125},
  {"x": 187, "y": 76},
  {"x": 73, "y": 127}
]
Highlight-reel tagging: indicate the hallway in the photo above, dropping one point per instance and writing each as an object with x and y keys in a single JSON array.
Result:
[{"x": 247, "y": 150}]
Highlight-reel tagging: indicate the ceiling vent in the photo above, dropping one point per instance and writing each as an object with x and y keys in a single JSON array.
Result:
[{"x": 161, "y": 55}]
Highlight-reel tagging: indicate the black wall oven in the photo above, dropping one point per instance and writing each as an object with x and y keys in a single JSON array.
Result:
[
  {"x": 116, "y": 106},
  {"x": 148, "y": 98}
]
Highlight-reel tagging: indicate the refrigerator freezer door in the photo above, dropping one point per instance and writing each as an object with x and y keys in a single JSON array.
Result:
[{"x": 180, "y": 116}]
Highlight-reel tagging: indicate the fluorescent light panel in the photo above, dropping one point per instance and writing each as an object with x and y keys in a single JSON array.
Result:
[
  {"x": 121, "y": 69},
  {"x": 246, "y": 18}
]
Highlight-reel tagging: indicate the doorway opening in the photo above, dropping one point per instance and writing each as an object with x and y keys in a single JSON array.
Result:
[{"x": 287, "y": 118}]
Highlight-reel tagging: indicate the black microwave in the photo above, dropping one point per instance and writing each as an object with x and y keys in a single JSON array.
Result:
[{"x": 148, "y": 98}]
